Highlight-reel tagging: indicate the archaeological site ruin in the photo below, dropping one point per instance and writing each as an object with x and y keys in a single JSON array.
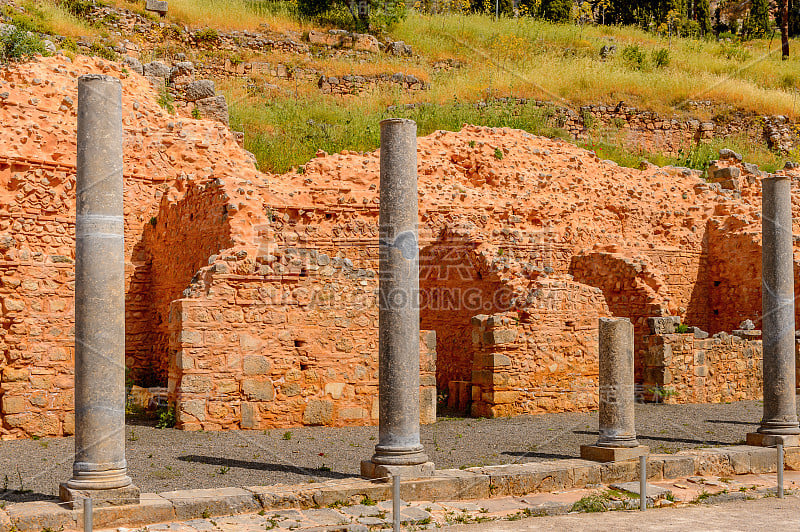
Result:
[{"x": 253, "y": 298}]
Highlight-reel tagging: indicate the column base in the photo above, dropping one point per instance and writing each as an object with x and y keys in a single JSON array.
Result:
[
  {"x": 102, "y": 497},
  {"x": 757, "y": 439},
  {"x": 597, "y": 453},
  {"x": 370, "y": 469}
]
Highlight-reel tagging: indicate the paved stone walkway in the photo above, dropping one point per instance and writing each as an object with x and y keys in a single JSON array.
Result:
[
  {"x": 734, "y": 516},
  {"x": 508, "y": 513}
]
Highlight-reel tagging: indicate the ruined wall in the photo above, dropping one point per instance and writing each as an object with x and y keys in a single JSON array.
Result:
[
  {"x": 687, "y": 368},
  {"x": 540, "y": 360},
  {"x": 252, "y": 350},
  {"x": 178, "y": 242}
]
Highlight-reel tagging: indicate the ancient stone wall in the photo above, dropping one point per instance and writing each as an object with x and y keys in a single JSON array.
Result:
[
  {"x": 691, "y": 368},
  {"x": 540, "y": 360},
  {"x": 178, "y": 243},
  {"x": 272, "y": 350}
]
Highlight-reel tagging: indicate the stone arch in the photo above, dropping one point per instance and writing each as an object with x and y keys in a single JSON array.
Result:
[{"x": 631, "y": 289}]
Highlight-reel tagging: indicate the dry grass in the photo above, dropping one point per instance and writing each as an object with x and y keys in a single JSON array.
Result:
[
  {"x": 234, "y": 14},
  {"x": 528, "y": 57}
]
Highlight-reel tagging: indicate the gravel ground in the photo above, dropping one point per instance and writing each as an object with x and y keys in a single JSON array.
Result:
[{"x": 166, "y": 459}]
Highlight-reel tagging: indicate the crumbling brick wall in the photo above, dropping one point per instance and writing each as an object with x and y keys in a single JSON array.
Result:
[
  {"x": 687, "y": 368},
  {"x": 541, "y": 360},
  {"x": 178, "y": 243},
  {"x": 263, "y": 350}
]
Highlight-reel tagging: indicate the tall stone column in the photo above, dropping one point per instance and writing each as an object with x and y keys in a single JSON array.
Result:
[
  {"x": 617, "y": 439},
  {"x": 779, "y": 424},
  {"x": 100, "y": 469},
  {"x": 399, "y": 450}
]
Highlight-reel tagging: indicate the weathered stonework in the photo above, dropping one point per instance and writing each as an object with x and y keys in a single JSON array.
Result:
[{"x": 253, "y": 296}]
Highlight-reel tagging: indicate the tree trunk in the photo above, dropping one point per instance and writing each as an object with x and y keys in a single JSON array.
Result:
[{"x": 784, "y": 29}]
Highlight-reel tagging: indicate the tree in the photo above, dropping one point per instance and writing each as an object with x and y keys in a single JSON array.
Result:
[
  {"x": 757, "y": 24},
  {"x": 702, "y": 14},
  {"x": 784, "y": 29},
  {"x": 556, "y": 10}
]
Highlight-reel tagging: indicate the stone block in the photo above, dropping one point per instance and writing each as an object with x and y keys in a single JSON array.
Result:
[
  {"x": 196, "y": 383},
  {"x": 255, "y": 365},
  {"x": 499, "y": 336},
  {"x": 194, "y": 407},
  {"x": 381, "y": 471},
  {"x": 215, "y": 108},
  {"x": 612, "y": 454},
  {"x": 584, "y": 472},
  {"x": 151, "y": 509},
  {"x": 335, "y": 389},
  {"x": 763, "y": 460},
  {"x": 318, "y": 412},
  {"x": 15, "y": 375},
  {"x": 791, "y": 458},
  {"x": 450, "y": 484},
  {"x": 279, "y": 497},
  {"x": 200, "y": 89},
  {"x": 677, "y": 466},
  {"x": 157, "y": 69},
  {"x": 504, "y": 397},
  {"x": 41, "y": 515},
  {"x": 257, "y": 390},
  {"x": 757, "y": 439},
  {"x": 354, "y": 412},
  {"x": 157, "y": 6},
  {"x": 427, "y": 405},
  {"x": 14, "y": 404},
  {"x": 190, "y": 504},
  {"x": 100, "y": 498},
  {"x": 522, "y": 479},
  {"x": 710, "y": 461},
  {"x": 619, "y": 471},
  {"x": 249, "y": 416},
  {"x": 663, "y": 325}
]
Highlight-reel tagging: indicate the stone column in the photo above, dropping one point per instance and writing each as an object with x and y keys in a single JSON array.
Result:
[
  {"x": 779, "y": 424},
  {"x": 617, "y": 423},
  {"x": 399, "y": 450},
  {"x": 100, "y": 469}
]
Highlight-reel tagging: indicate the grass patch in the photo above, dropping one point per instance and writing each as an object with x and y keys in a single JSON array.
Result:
[{"x": 235, "y": 14}]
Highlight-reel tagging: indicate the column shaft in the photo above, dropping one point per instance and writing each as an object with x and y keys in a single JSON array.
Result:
[
  {"x": 399, "y": 439},
  {"x": 99, "y": 290},
  {"x": 617, "y": 423},
  {"x": 777, "y": 308}
]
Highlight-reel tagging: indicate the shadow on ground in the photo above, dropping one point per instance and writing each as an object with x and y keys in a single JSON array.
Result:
[{"x": 264, "y": 466}]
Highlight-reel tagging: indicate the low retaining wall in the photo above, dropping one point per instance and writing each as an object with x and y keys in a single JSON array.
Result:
[{"x": 692, "y": 368}]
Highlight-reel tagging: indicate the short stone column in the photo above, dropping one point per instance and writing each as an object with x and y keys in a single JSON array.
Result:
[
  {"x": 617, "y": 422},
  {"x": 100, "y": 469},
  {"x": 399, "y": 450},
  {"x": 779, "y": 424}
]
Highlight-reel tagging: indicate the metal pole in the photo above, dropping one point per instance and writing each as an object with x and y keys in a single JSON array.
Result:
[
  {"x": 87, "y": 515},
  {"x": 396, "y": 502},
  {"x": 497, "y": 9},
  {"x": 643, "y": 483},
  {"x": 780, "y": 471}
]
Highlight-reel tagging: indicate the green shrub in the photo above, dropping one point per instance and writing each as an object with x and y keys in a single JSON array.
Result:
[
  {"x": 79, "y": 8},
  {"x": 165, "y": 99},
  {"x": 104, "y": 51},
  {"x": 556, "y": 10},
  {"x": 207, "y": 35},
  {"x": 165, "y": 417},
  {"x": 634, "y": 57},
  {"x": 661, "y": 58},
  {"x": 19, "y": 45}
]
